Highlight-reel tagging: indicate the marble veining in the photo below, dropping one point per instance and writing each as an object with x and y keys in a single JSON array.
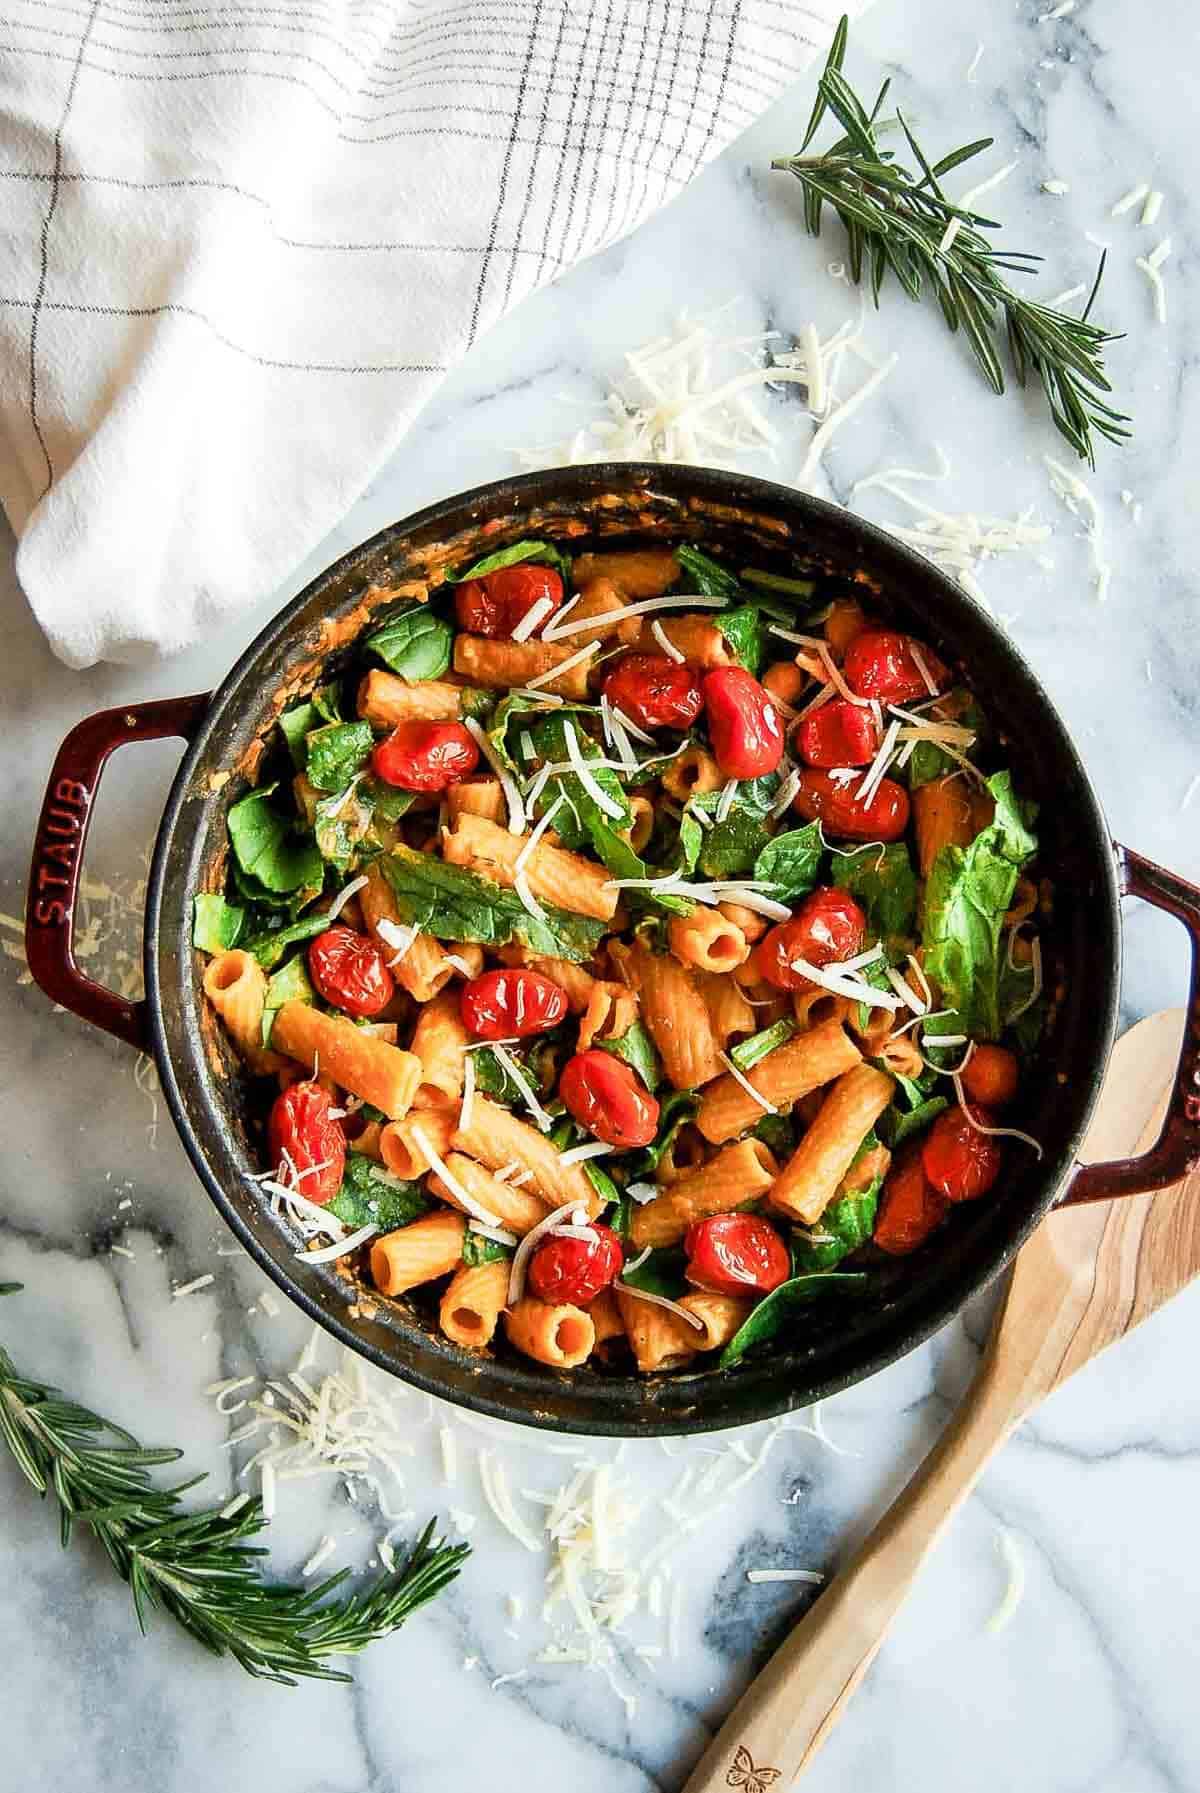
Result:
[{"x": 1091, "y": 1685}]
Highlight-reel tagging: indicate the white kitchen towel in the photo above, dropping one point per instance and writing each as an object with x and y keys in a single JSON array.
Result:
[{"x": 244, "y": 239}]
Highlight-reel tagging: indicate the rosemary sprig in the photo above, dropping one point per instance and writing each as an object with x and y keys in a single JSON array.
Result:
[
  {"x": 200, "y": 1567},
  {"x": 900, "y": 220}
]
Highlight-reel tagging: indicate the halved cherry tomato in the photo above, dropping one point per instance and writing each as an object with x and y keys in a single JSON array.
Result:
[
  {"x": 743, "y": 723},
  {"x": 838, "y": 734},
  {"x": 736, "y": 1254},
  {"x": 300, "y": 1126},
  {"x": 959, "y": 1161},
  {"x": 654, "y": 691},
  {"x": 828, "y": 925},
  {"x": 879, "y": 663},
  {"x": 494, "y": 605},
  {"x": 991, "y": 1076},
  {"x": 350, "y": 972},
  {"x": 503, "y": 1003},
  {"x": 882, "y": 817},
  {"x": 425, "y": 756},
  {"x": 575, "y": 1270},
  {"x": 606, "y": 1096},
  {"x": 909, "y": 1208}
]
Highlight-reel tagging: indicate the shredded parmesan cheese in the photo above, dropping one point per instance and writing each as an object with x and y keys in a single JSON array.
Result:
[
  {"x": 472, "y": 1207},
  {"x": 512, "y": 796},
  {"x": 528, "y": 1095},
  {"x": 739, "y": 1076},
  {"x": 665, "y": 643},
  {"x": 343, "y": 896},
  {"x": 532, "y": 619}
]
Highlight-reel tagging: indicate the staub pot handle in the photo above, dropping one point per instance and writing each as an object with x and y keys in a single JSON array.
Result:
[
  {"x": 58, "y": 856},
  {"x": 1176, "y": 1151}
]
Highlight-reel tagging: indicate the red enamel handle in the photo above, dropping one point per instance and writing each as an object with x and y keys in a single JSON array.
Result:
[
  {"x": 58, "y": 856},
  {"x": 1176, "y": 1151}
]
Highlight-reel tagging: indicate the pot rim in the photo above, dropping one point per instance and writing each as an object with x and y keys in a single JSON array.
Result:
[{"x": 752, "y": 1394}]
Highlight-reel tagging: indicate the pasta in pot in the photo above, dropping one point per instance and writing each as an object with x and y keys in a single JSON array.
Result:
[{"x": 598, "y": 989}]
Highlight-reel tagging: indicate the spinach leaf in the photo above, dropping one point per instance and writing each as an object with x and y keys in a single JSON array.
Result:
[
  {"x": 803, "y": 589},
  {"x": 733, "y": 846},
  {"x": 514, "y": 555},
  {"x": 620, "y": 1216},
  {"x": 846, "y": 1224},
  {"x": 883, "y": 880},
  {"x": 769, "y": 1317},
  {"x": 216, "y": 924},
  {"x": 327, "y": 703},
  {"x": 928, "y": 760},
  {"x": 267, "y": 847},
  {"x": 337, "y": 752},
  {"x": 491, "y": 1078},
  {"x": 967, "y": 895},
  {"x": 637, "y": 1049},
  {"x": 778, "y": 1134},
  {"x": 676, "y": 1111},
  {"x": 455, "y": 904},
  {"x": 371, "y": 1196},
  {"x": 896, "y": 1124},
  {"x": 269, "y": 948},
  {"x": 289, "y": 984},
  {"x": 477, "y": 1249},
  {"x": 387, "y": 802},
  {"x": 747, "y": 1053},
  {"x": 294, "y": 724},
  {"x": 791, "y": 862},
  {"x": 601, "y": 1182},
  {"x": 708, "y": 577},
  {"x": 579, "y": 819},
  {"x": 415, "y": 643},
  {"x": 746, "y": 633},
  {"x": 340, "y": 823},
  {"x": 661, "y": 1273}
]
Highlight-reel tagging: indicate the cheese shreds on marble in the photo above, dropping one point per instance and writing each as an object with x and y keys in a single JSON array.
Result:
[{"x": 1082, "y": 503}]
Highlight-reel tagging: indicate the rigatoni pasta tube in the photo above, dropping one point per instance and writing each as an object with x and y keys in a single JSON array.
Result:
[
  {"x": 606, "y": 1318},
  {"x": 499, "y": 665},
  {"x": 809, "y": 1180},
  {"x": 800, "y": 1065},
  {"x": 438, "y": 1041},
  {"x": 812, "y": 1005},
  {"x": 381, "y": 1074},
  {"x": 642, "y": 826},
  {"x": 402, "y": 1154},
  {"x": 477, "y": 797},
  {"x": 570, "y": 977},
  {"x": 567, "y": 880},
  {"x": 496, "y": 1138},
  {"x": 423, "y": 969},
  {"x": 384, "y": 699},
  {"x": 738, "y": 1174},
  {"x": 685, "y": 1153},
  {"x": 560, "y": 1336},
  {"x": 518, "y": 1209},
  {"x": 640, "y": 572},
  {"x": 236, "y": 985},
  {"x": 722, "y": 1316},
  {"x": 942, "y": 817},
  {"x": 470, "y": 1309},
  {"x": 696, "y": 637},
  {"x": 673, "y": 1011},
  {"x": 707, "y": 941},
  {"x": 728, "y": 1011},
  {"x": 596, "y": 601},
  {"x": 611, "y": 1012},
  {"x": 692, "y": 773},
  {"x": 659, "y": 1340},
  {"x": 418, "y": 1253}
]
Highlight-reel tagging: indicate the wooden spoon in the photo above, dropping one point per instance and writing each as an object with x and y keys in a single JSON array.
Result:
[{"x": 1087, "y": 1276}]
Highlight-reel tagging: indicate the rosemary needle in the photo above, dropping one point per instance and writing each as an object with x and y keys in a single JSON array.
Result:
[
  {"x": 901, "y": 220},
  {"x": 201, "y": 1568}
]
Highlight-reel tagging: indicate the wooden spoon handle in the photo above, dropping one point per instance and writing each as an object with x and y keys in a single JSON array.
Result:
[{"x": 785, "y": 1715}]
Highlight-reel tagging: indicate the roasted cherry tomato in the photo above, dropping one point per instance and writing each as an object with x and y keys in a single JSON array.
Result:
[
  {"x": 909, "y": 1208},
  {"x": 736, "y": 1254},
  {"x": 884, "y": 816},
  {"x": 743, "y": 723},
  {"x": 425, "y": 756},
  {"x": 838, "y": 734},
  {"x": 655, "y": 692},
  {"x": 315, "y": 1146},
  {"x": 606, "y": 1096},
  {"x": 575, "y": 1270},
  {"x": 959, "y": 1161},
  {"x": 879, "y": 663},
  {"x": 350, "y": 972},
  {"x": 494, "y": 605},
  {"x": 503, "y": 1003},
  {"x": 991, "y": 1076},
  {"x": 828, "y": 925}
]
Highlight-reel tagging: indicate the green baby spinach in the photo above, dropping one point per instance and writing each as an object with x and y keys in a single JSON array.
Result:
[
  {"x": 371, "y": 1196},
  {"x": 453, "y": 903},
  {"x": 769, "y": 1318},
  {"x": 216, "y": 924},
  {"x": 268, "y": 848},
  {"x": 415, "y": 643}
]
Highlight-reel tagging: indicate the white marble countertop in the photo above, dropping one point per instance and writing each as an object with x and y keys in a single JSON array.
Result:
[{"x": 1092, "y": 1684}]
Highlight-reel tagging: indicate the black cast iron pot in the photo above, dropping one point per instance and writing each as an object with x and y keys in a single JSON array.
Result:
[{"x": 743, "y": 519}]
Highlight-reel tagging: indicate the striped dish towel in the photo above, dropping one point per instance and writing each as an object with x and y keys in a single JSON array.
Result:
[{"x": 244, "y": 239}]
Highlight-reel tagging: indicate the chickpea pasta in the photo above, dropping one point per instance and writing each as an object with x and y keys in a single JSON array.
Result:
[{"x": 596, "y": 991}]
